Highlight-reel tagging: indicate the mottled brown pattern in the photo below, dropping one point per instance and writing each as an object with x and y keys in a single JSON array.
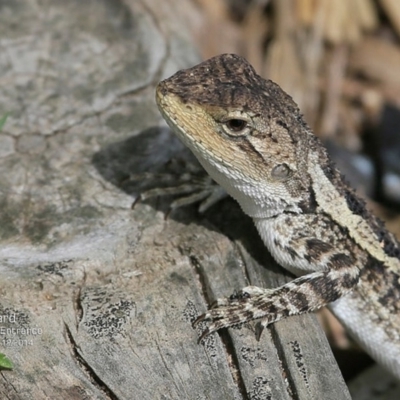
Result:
[
  {"x": 230, "y": 80},
  {"x": 312, "y": 222},
  {"x": 384, "y": 282},
  {"x": 316, "y": 248},
  {"x": 341, "y": 260},
  {"x": 356, "y": 205}
]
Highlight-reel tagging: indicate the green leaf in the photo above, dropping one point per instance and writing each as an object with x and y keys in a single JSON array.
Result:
[
  {"x": 5, "y": 363},
  {"x": 3, "y": 120}
]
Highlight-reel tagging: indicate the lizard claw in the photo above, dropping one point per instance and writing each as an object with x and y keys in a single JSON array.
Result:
[
  {"x": 137, "y": 200},
  {"x": 223, "y": 317},
  {"x": 259, "y": 329},
  {"x": 199, "y": 319},
  {"x": 210, "y": 329},
  {"x": 205, "y": 333}
]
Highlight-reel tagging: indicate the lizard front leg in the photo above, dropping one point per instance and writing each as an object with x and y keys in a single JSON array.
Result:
[
  {"x": 329, "y": 271},
  {"x": 306, "y": 293}
]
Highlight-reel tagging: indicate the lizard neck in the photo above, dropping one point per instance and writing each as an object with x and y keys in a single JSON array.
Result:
[{"x": 254, "y": 198}]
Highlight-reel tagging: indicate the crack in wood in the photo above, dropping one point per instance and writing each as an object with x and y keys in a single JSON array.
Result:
[
  {"x": 241, "y": 259},
  {"x": 86, "y": 368},
  {"x": 285, "y": 368},
  {"x": 233, "y": 363},
  {"x": 202, "y": 277},
  {"x": 78, "y": 307},
  {"x": 226, "y": 339}
]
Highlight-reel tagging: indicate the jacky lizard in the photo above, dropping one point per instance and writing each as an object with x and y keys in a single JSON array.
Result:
[{"x": 251, "y": 138}]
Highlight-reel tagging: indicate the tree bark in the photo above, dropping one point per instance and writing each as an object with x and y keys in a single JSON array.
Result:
[{"x": 97, "y": 300}]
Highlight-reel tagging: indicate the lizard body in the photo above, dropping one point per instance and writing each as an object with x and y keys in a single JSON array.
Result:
[{"x": 251, "y": 138}]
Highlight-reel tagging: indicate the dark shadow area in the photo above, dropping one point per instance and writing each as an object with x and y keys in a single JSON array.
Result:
[
  {"x": 352, "y": 362},
  {"x": 148, "y": 152},
  {"x": 382, "y": 145},
  {"x": 157, "y": 159}
]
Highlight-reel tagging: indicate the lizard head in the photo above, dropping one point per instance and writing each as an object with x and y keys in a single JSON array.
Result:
[{"x": 246, "y": 132}]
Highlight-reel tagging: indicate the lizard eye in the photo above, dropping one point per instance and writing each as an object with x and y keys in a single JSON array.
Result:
[
  {"x": 235, "y": 127},
  {"x": 280, "y": 172}
]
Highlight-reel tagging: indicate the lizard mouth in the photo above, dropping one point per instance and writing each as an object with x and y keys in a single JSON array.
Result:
[{"x": 167, "y": 102}]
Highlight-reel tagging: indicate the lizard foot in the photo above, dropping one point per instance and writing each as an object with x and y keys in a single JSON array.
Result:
[
  {"x": 192, "y": 188},
  {"x": 248, "y": 304}
]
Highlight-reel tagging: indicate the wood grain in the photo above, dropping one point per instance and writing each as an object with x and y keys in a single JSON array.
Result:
[{"x": 101, "y": 298}]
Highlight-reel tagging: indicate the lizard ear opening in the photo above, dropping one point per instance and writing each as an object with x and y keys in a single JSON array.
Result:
[
  {"x": 281, "y": 172},
  {"x": 235, "y": 127}
]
